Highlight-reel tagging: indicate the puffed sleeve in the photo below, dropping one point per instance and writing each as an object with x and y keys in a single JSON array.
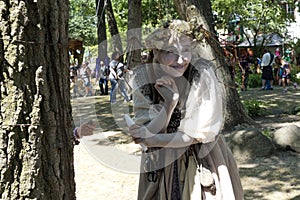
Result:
[{"x": 204, "y": 107}]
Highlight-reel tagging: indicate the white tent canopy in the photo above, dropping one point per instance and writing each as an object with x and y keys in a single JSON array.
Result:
[{"x": 271, "y": 40}]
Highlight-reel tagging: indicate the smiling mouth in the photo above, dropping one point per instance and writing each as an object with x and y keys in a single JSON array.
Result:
[{"x": 178, "y": 67}]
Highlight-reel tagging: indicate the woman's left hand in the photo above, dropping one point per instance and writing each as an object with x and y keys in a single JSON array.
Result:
[{"x": 86, "y": 129}]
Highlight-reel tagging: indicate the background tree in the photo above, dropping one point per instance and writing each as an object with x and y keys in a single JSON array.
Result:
[
  {"x": 36, "y": 154},
  {"x": 256, "y": 17},
  {"x": 155, "y": 12},
  {"x": 113, "y": 28},
  {"x": 101, "y": 29},
  {"x": 134, "y": 34},
  {"x": 82, "y": 21},
  {"x": 87, "y": 26},
  {"x": 106, "y": 18},
  {"x": 201, "y": 12}
]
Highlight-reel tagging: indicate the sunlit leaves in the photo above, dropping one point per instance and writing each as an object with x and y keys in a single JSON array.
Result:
[
  {"x": 154, "y": 12},
  {"x": 82, "y": 21},
  {"x": 257, "y": 15}
]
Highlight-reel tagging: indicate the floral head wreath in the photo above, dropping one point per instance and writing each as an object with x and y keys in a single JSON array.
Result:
[{"x": 169, "y": 32}]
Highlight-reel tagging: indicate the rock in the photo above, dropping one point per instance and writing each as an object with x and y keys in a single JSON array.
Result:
[
  {"x": 249, "y": 143},
  {"x": 288, "y": 137}
]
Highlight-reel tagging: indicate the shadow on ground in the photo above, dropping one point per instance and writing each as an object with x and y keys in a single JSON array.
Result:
[
  {"x": 276, "y": 177},
  {"x": 109, "y": 117}
]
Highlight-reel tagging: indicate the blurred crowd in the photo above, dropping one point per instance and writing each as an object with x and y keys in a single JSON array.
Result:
[
  {"x": 274, "y": 68},
  {"x": 104, "y": 77}
]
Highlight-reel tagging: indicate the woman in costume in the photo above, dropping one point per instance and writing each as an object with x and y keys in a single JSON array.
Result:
[{"x": 178, "y": 115}]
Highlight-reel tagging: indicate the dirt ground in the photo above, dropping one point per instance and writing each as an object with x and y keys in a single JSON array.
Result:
[{"x": 269, "y": 178}]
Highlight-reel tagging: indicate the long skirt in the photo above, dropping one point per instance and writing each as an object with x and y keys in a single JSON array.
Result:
[{"x": 178, "y": 176}]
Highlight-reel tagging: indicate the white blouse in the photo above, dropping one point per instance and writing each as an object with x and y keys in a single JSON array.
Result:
[{"x": 203, "y": 118}]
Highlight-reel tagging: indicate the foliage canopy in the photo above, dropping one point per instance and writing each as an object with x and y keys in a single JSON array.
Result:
[
  {"x": 255, "y": 16},
  {"x": 83, "y": 21}
]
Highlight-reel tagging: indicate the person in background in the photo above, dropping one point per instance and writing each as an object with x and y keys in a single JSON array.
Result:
[
  {"x": 245, "y": 71},
  {"x": 267, "y": 70},
  {"x": 276, "y": 71},
  {"x": 121, "y": 70},
  {"x": 85, "y": 74},
  {"x": 230, "y": 61},
  {"x": 257, "y": 67},
  {"x": 288, "y": 56},
  {"x": 113, "y": 76},
  {"x": 285, "y": 73},
  {"x": 277, "y": 52},
  {"x": 73, "y": 78},
  {"x": 117, "y": 68},
  {"x": 103, "y": 78}
]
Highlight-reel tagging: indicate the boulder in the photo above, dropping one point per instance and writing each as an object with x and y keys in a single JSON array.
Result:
[
  {"x": 288, "y": 137},
  {"x": 249, "y": 144}
]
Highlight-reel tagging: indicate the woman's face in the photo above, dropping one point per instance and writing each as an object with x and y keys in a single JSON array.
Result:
[{"x": 175, "y": 57}]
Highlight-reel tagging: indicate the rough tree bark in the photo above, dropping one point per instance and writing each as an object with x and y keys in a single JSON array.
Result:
[
  {"x": 36, "y": 150},
  {"x": 101, "y": 29},
  {"x": 113, "y": 28},
  {"x": 134, "y": 33},
  {"x": 201, "y": 11}
]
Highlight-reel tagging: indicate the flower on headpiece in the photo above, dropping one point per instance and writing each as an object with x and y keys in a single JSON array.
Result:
[{"x": 171, "y": 31}]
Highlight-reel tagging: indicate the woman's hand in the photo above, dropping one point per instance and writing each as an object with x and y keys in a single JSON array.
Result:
[
  {"x": 167, "y": 88},
  {"x": 86, "y": 129},
  {"x": 140, "y": 135}
]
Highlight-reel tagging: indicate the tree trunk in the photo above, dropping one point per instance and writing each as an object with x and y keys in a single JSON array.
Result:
[
  {"x": 36, "y": 154},
  {"x": 113, "y": 28},
  {"x": 201, "y": 11},
  {"x": 101, "y": 29},
  {"x": 134, "y": 33}
]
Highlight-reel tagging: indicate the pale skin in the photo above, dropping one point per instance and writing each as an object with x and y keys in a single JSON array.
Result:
[{"x": 174, "y": 62}]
